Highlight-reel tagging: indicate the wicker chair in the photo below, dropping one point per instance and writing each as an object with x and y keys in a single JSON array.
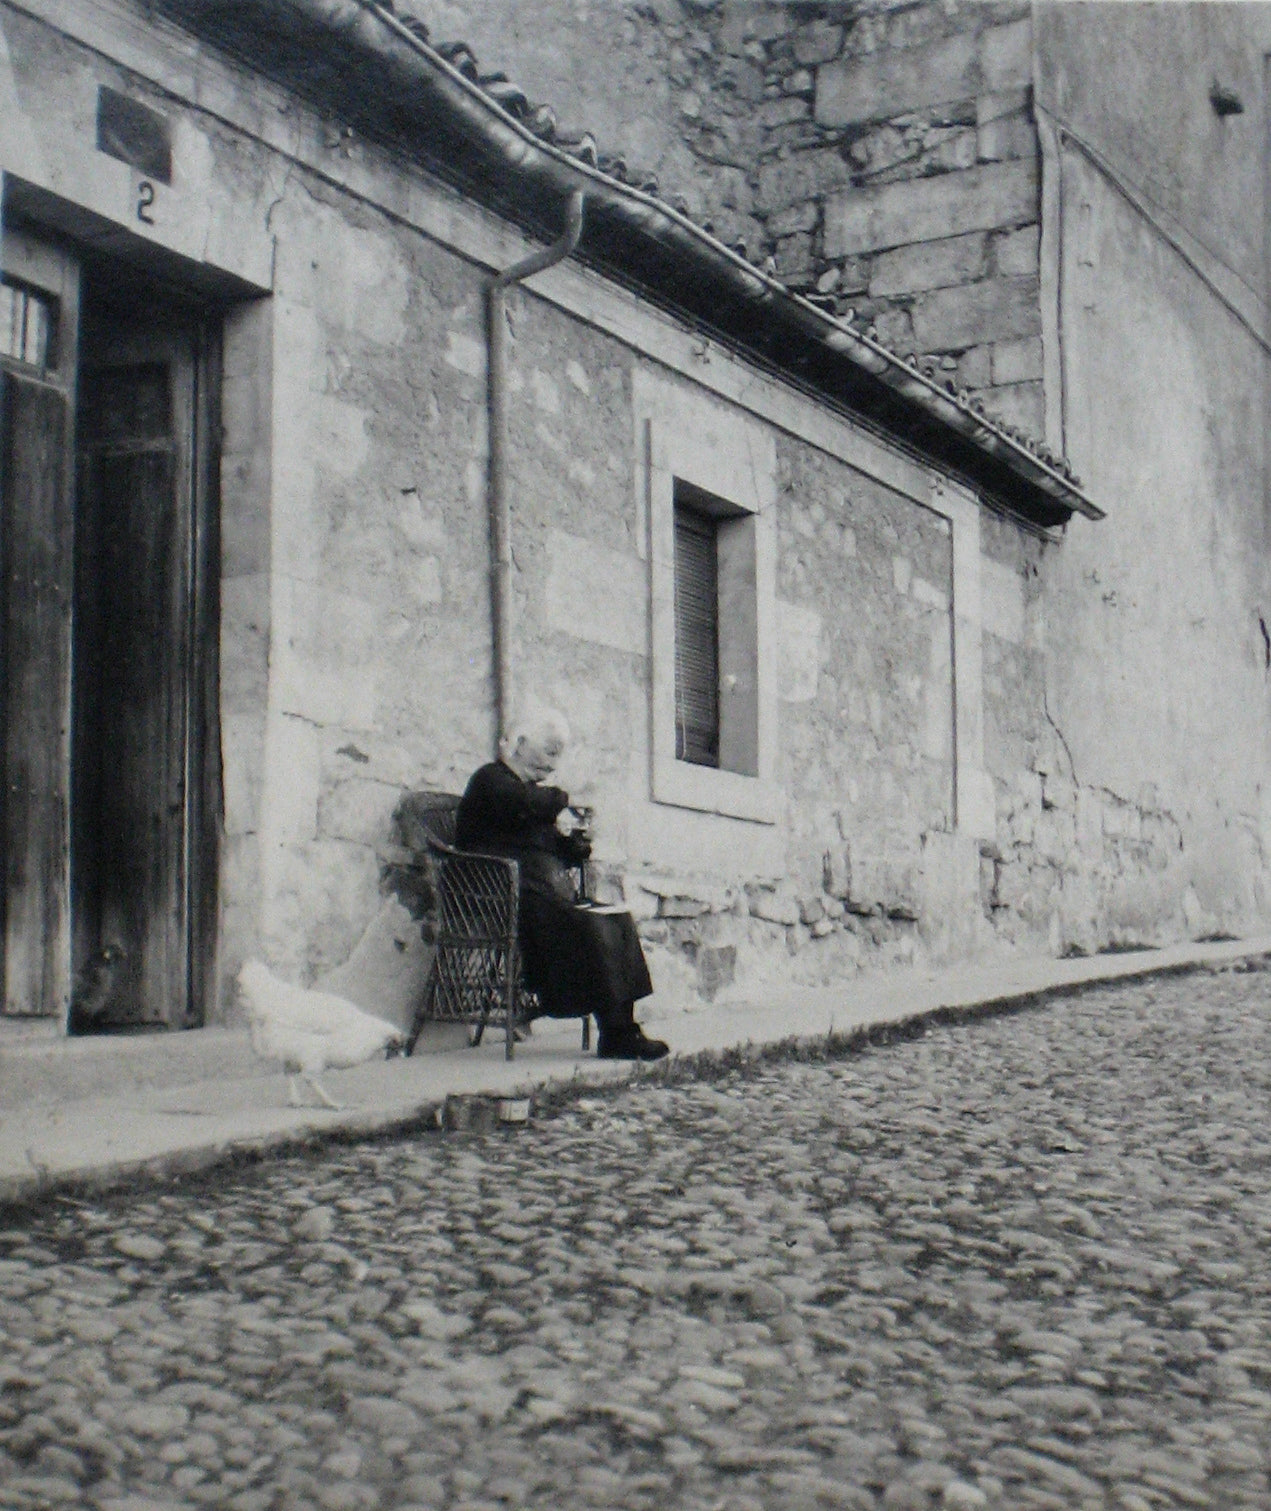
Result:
[{"x": 476, "y": 970}]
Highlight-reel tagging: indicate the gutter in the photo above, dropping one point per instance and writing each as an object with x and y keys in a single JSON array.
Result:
[
  {"x": 416, "y": 77},
  {"x": 496, "y": 492}
]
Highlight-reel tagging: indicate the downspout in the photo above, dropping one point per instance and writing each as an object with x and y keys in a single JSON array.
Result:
[{"x": 496, "y": 490}]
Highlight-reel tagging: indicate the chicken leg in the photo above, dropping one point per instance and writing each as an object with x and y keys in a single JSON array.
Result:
[{"x": 324, "y": 1098}]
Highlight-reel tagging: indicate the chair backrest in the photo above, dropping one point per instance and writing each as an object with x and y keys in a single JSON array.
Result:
[
  {"x": 427, "y": 818},
  {"x": 475, "y": 896}
]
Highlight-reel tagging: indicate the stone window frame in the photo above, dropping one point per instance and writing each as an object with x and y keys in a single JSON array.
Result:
[{"x": 692, "y": 438}]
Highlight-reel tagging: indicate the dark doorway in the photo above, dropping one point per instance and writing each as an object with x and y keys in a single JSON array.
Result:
[{"x": 143, "y": 730}]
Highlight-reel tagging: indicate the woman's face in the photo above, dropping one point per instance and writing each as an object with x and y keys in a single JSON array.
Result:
[{"x": 537, "y": 757}]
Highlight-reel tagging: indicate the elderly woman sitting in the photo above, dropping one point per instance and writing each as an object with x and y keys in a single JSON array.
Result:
[{"x": 577, "y": 959}]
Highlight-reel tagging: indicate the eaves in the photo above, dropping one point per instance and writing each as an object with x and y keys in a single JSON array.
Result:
[{"x": 380, "y": 74}]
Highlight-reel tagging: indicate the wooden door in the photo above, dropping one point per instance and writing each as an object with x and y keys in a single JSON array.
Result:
[
  {"x": 38, "y": 299},
  {"x": 34, "y": 546},
  {"x": 134, "y": 653}
]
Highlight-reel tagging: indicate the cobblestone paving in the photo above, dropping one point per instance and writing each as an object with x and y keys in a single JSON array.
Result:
[{"x": 1021, "y": 1263}]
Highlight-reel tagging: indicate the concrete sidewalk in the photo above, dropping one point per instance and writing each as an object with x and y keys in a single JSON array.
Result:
[{"x": 122, "y": 1116}]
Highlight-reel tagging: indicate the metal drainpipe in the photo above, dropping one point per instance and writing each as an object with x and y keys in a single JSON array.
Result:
[{"x": 500, "y": 511}]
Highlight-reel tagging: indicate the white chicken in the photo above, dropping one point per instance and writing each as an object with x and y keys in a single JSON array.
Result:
[{"x": 309, "y": 1031}]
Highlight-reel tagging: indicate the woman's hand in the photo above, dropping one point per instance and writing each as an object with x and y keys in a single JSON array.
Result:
[
  {"x": 574, "y": 848},
  {"x": 574, "y": 827},
  {"x": 569, "y": 821}
]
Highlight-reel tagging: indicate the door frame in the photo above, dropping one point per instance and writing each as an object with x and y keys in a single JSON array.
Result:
[
  {"x": 57, "y": 268},
  {"x": 204, "y": 802}
]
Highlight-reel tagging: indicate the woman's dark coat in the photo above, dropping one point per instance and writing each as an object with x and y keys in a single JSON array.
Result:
[{"x": 576, "y": 960}]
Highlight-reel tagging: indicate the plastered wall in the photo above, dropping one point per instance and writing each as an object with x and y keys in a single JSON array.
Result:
[
  {"x": 380, "y": 641},
  {"x": 1157, "y": 665}
]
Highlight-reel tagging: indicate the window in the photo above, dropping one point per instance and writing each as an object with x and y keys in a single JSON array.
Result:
[
  {"x": 696, "y": 636},
  {"x": 710, "y": 489},
  {"x": 716, "y": 633},
  {"x": 26, "y": 326}
]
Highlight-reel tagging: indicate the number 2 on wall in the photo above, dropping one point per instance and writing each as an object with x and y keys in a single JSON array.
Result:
[{"x": 145, "y": 199}]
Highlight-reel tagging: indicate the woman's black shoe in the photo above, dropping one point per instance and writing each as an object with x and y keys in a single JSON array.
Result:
[{"x": 630, "y": 1043}]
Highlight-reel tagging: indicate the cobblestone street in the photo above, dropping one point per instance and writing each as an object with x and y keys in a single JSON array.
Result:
[{"x": 1023, "y": 1261}]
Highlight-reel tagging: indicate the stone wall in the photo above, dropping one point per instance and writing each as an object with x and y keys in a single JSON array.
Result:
[
  {"x": 1157, "y": 666},
  {"x": 246, "y": 448},
  {"x": 379, "y": 666},
  {"x": 866, "y": 723},
  {"x": 1075, "y": 866},
  {"x": 863, "y": 617},
  {"x": 887, "y": 157},
  {"x": 1203, "y": 170},
  {"x": 899, "y": 180}
]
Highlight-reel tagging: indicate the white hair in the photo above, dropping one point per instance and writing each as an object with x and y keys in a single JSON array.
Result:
[{"x": 536, "y": 723}]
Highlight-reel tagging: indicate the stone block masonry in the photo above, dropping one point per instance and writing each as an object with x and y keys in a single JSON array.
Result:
[
  {"x": 1078, "y": 869},
  {"x": 1017, "y": 361},
  {"x": 944, "y": 215},
  {"x": 888, "y": 157},
  {"x": 993, "y": 309},
  {"x": 799, "y": 178},
  {"x": 892, "y": 163},
  {"x": 930, "y": 265},
  {"x": 864, "y": 605},
  {"x": 881, "y": 85},
  {"x": 1073, "y": 866},
  {"x": 987, "y": 197}
]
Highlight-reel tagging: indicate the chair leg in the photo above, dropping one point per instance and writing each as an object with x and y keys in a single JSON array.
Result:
[
  {"x": 479, "y": 1031},
  {"x": 586, "y": 1034},
  {"x": 509, "y": 1007}
]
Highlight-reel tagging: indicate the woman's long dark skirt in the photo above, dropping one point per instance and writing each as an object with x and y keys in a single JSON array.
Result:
[{"x": 579, "y": 961}]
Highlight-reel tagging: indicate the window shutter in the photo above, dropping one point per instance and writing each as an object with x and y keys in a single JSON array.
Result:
[{"x": 696, "y": 637}]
